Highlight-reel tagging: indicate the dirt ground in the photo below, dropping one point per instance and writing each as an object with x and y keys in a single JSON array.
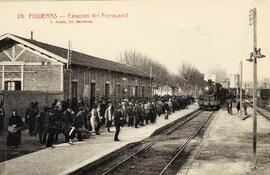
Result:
[{"x": 29, "y": 145}]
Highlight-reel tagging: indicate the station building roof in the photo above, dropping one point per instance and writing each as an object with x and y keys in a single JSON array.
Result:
[{"x": 77, "y": 58}]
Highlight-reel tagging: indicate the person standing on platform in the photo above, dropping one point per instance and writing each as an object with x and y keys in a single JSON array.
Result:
[
  {"x": 31, "y": 116},
  {"x": 102, "y": 109},
  {"x": 58, "y": 115},
  {"x": 51, "y": 128},
  {"x": 15, "y": 124},
  {"x": 159, "y": 107},
  {"x": 2, "y": 117},
  {"x": 109, "y": 115},
  {"x": 229, "y": 107},
  {"x": 118, "y": 121},
  {"x": 136, "y": 112},
  {"x": 142, "y": 115},
  {"x": 147, "y": 109},
  {"x": 170, "y": 106},
  {"x": 166, "y": 110},
  {"x": 42, "y": 125},
  {"x": 154, "y": 112},
  {"x": 67, "y": 122},
  {"x": 245, "y": 108},
  {"x": 78, "y": 124},
  {"x": 94, "y": 120},
  {"x": 238, "y": 107},
  {"x": 130, "y": 114}
]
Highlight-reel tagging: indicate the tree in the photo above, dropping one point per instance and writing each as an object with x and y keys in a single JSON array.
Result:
[
  {"x": 143, "y": 62},
  {"x": 190, "y": 79}
]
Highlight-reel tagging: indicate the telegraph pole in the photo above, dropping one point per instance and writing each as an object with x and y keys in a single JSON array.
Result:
[
  {"x": 69, "y": 68},
  {"x": 241, "y": 94},
  {"x": 253, "y": 58},
  {"x": 151, "y": 93},
  {"x": 254, "y": 23}
]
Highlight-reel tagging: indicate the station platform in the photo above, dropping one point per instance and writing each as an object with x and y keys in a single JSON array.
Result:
[
  {"x": 65, "y": 158},
  {"x": 226, "y": 148}
]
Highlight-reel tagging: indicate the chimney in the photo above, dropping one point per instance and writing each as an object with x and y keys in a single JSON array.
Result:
[{"x": 32, "y": 34}]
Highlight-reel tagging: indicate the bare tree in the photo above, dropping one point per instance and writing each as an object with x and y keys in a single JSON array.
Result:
[
  {"x": 143, "y": 62},
  {"x": 190, "y": 79}
]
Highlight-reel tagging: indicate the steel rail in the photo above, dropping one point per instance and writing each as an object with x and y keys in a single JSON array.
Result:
[
  {"x": 259, "y": 111},
  {"x": 190, "y": 117},
  {"x": 181, "y": 149}
]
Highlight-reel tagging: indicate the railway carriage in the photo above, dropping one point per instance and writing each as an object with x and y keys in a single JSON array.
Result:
[{"x": 265, "y": 96}]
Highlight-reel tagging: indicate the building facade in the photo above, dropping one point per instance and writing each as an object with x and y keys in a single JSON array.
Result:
[{"x": 29, "y": 65}]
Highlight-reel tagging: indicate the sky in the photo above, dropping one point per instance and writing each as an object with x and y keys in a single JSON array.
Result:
[{"x": 208, "y": 34}]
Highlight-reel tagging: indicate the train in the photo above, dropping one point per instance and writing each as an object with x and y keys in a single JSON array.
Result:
[{"x": 213, "y": 96}]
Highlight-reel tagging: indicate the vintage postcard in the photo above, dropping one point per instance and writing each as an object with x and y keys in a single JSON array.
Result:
[{"x": 135, "y": 87}]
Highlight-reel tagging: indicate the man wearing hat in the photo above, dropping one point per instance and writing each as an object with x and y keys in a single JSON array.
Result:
[{"x": 118, "y": 121}]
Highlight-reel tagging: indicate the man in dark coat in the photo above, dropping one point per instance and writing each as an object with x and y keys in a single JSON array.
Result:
[
  {"x": 2, "y": 117},
  {"x": 245, "y": 108},
  {"x": 51, "y": 128},
  {"x": 142, "y": 114},
  {"x": 153, "y": 112},
  {"x": 31, "y": 116},
  {"x": 67, "y": 122},
  {"x": 78, "y": 124},
  {"x": 118, "y": 121},
  {"x": 58, "y": 115},
  {"x": 130, "y": 114},
  {"x": 102, "y": 109},
  {"x": 238, "y": 107},
  {"x": 42, "y": 125},
  {"x": 136, "y": 113},
  {"x": 166, "y": 109}
]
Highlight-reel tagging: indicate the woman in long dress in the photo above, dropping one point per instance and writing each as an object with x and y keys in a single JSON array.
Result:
[
  {"x": 94, "y": 120},
  {"x": 14, "y": 130}
]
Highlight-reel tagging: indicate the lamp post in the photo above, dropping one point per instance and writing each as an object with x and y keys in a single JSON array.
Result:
[{"x": 253, "y": 58}]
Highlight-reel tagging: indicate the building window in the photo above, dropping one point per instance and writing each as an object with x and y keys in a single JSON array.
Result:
[
  {"x": 12, "y": 85},
  {"x": 107, "y": 90},
  {"x": 93, "y": 90},
  {"x": 118, "y": 92},
  {"x": 74, "y": 89},
  {"x": 143, "y": 89},
  {"x": 136, "y": 91}
]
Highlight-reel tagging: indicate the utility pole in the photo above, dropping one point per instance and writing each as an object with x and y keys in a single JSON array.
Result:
[
  {"x": 69, "y": 68},
  {"x": 254, "y": 20},
  {"x": 241, "y": 93},
  {"x": 253, "y": 58},
  {"x": 151, "y": 93}
]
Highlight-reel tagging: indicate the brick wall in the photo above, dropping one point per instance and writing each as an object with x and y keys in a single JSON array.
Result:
[
  {"x": 84, "y": 76},
  {"x": 44, "y": 78}
]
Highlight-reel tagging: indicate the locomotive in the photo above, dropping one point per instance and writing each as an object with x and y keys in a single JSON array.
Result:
[{"x": 213, "y": 96}]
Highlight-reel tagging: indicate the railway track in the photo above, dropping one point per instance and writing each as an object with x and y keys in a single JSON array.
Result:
[
  {"x": 261, "y": 109},
  {"x": 158, "y": 156}
]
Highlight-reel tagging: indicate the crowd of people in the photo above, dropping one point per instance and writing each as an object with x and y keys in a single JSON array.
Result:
[{"x": 76, "y": 119}]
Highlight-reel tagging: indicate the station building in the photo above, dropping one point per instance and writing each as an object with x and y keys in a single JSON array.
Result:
[{"x": 37, "y": 69}]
